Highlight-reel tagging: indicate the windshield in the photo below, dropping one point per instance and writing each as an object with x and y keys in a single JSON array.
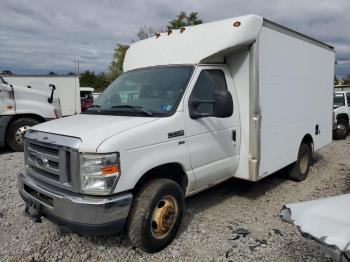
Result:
[
  {"x": 339, "y": 100},
  {"x": 152, "y": 91}
]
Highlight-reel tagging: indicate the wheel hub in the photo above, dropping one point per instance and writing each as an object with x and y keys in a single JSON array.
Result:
[
  {"x": 164, "y": 216},
  {"x": 19, "y": 135}
]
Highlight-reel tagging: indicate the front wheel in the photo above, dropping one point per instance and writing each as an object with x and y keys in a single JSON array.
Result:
[
  {"x": 300, "y": 169},
  {"x": 156, "y": 215},
  {"x": 17, "y": 130}
]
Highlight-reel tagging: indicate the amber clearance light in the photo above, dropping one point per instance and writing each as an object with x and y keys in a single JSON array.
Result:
[{"x": 237, "y": 24}]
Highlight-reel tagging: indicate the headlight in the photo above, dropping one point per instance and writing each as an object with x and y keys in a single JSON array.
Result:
[{"x": 98, "y": 173}]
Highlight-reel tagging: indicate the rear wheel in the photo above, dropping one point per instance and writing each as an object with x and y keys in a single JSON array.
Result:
[
  {"x": 300, "y": 169},
  {"x": 342, "y": 129},
  {"x": 156, "y": 215},
  {"x": 17, "y": 130}
]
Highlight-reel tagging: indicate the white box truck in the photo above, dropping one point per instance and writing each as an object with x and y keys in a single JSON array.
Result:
[
  {"x": 242, "y": 97},
  {"x": 67, "y": 88},
  {"x": 21, "y": 108}
]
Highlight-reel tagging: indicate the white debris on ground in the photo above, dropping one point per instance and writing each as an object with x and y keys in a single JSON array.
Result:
[
  {"x": 327, "y": 220},
  {"x": 234, "y": 221}
]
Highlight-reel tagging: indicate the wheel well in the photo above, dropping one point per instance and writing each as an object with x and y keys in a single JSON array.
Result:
[
  {"x": 37, "y": 117},
  {"x": 343, "y": 116},
  {"x": 172, "y": 171},
  {"x": 19, "y": 116},
  {"x": 308, "y": 140}
]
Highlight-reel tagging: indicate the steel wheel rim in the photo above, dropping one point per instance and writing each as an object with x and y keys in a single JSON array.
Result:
[
  {"x": 19, "y": 135},
  {"x": 341, "y": 129},
  {"x": 304, "y": 163},
  {"x": 164, "y": 217}
]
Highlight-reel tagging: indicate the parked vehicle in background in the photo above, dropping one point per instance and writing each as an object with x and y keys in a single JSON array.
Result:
[
  {"x": 193, "y": 108},
  {"x": 86, "y": 97},
  {"x": 67, "y": 88},
  {"x": 341, "y": 111},
  {"x": 96, "y": 95},
  {"x": 22, "y": 108}
]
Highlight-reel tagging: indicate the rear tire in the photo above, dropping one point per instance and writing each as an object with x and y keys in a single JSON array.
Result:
[
  {"x": 300, "y": 169},
  {"x": 17, "y": 130},
  {"x": 156, "y": 215},
  {"x": 342, "y": 130}
]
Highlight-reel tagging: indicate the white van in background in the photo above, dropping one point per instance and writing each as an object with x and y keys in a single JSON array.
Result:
[{"x": 242, "y": 97}]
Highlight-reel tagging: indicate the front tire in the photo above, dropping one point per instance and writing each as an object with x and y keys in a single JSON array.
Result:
[
  {"x": 342, "y": 129},
  {"x": 300, "y": 169},
  {"x": 17, "y": 130},
  {"x": 156, "y": 215}
]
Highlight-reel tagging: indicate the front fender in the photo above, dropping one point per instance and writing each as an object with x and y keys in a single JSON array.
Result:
[{"x": 136, "y": 162}]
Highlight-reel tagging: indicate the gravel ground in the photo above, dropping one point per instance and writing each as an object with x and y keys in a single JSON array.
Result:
[{"x": 209, "y": 232}]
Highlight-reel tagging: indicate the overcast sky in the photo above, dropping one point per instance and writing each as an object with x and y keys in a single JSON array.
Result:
[{"x": 38, "y": 36}]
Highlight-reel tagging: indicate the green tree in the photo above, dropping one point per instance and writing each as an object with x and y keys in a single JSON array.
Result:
[
  {"x": 346, "y": 80},
  {"x": 184, "y": 20},
  {"x": 90, "y": 79},
  {"x": 116, "y": 66},
  {"x": 87, "y": 79}
]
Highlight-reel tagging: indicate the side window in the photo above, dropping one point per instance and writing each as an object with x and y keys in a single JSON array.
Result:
[
  {"x": 348, "y": 98},
  {"x": 207, "y": 82}
]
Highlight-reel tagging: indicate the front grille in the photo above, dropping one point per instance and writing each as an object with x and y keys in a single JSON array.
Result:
[{"x": 52, "y": 163}]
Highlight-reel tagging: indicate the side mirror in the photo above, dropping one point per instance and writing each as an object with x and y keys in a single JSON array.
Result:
[
  {"x": 53, "y": 88},
  {"x": 222, "y": 105}
]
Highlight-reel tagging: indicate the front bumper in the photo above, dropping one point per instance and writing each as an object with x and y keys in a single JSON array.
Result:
[{"x": 75, "y": 212}]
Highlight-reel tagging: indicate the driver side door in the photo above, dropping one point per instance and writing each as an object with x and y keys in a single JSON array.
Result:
[{"x": 213, "y": 142}]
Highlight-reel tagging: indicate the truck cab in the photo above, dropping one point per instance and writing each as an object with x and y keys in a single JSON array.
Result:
[
  {"x": 341, "y": 112},
  {"x": 22, "y": 108}
]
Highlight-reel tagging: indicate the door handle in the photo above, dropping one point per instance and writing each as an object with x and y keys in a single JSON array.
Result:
[{"x": 234, "y": 135}]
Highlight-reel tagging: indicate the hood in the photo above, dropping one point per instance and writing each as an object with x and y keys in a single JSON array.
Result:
[
  {"x": 339, "y": 109},
  {"x": 92, "y": 129}
]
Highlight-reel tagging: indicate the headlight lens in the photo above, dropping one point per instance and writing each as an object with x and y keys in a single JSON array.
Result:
[{"x": 98, "y": 173}]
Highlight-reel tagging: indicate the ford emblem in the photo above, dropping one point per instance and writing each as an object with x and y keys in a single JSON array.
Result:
[{"x": 41, "y": 161}]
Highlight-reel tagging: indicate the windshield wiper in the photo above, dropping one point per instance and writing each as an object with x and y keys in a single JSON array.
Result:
[{"x": 138, "y": 108}]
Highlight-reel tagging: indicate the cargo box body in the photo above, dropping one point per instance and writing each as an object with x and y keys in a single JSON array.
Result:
[{"x": 284, "y": 85}]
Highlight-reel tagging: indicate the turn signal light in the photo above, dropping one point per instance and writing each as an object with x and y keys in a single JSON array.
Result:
[{"x": 107, "y": 170}]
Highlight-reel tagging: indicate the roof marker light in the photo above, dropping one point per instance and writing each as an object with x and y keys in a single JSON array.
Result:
[
  {"x": 237, "y": 24},
  {"x": 182, "y": 30}
]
